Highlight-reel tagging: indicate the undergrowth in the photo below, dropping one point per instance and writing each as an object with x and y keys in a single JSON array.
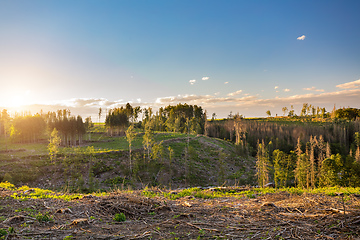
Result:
[{"x": 24, "y": 193}]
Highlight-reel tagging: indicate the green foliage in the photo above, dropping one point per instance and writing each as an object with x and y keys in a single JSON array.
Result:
[
  {"x": 157, "y": 151},
  {"x": 117, "y": 118},
  {"x": 44, "y": 217},
  {"x": 38, "y": 193},
  {"x": 70, "y": 237},
  {"x": 7, "y": 185},
  {"x": 54, "y": 144},
  {"x": 117, "y": 181},
  {"x": 70, "y": 128},
  {"x": 263, "y": 165},
  {"x": 283, "y": 168},
  {"x": 119, "y": 217},
  {"x": 27, "y": 128},
  {"x": 3, "y": 233},
  {"x": 347, "y": 113}
]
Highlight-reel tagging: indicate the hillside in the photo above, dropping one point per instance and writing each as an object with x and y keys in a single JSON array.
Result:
[
  {"x": 102, "y": 162},
  {"x": 215, "y": 213}
]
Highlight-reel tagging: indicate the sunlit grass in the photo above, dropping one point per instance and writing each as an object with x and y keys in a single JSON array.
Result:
[
  {"x": 24, "y": 193},
  {"x": 101, "y": 142},
  {"x": 251, "y": 193},
  {"x": 37, "y": 193},
  {"x": 22, "y": 149}
]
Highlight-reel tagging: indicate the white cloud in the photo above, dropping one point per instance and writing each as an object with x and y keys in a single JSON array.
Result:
[
  {"x": 192, "y": 82},
  {"x": 221, "y": 105},
  {"x": 354, "y": 84},
  {"x": 301, "y": 37},
  {"x": 276, "y": 87},
  {"x": 314, "y": 89},
  {"x": 235, "y": 93},
  {"x": 226, "y": 82},
  {"x": 286, "y": 90},
  {"x": 217, "y": 93},
  {"x": 205, "y": 78}
]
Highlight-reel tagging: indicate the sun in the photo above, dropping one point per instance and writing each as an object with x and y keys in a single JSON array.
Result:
[
  {"x": 16, "y": 101},
  {"x": 19, "y": 99}
]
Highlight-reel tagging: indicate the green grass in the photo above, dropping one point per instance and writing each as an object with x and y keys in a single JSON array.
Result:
[
  {"x": 100, "y": 141},
  {"x": 37, "y": 193},
  {"x": 46, "y": 217},
  {"x": 117, "y": 143},
  {"x": 26, "y": 149},
  {"x": 206, "y": 194}
]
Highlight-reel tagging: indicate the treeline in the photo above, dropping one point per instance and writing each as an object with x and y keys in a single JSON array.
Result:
[
  {"x": 32, "y": 128},
  {"x": 179, "y": 118},
  {"x": 283, "y": 133},
  {"x": 27, "y": 128},
  {"x": 347, "y": 113},
  {"x": 119, "y": 118},
  {"x": 311, "y": 165},
  {"x": 70, "y": 128}
]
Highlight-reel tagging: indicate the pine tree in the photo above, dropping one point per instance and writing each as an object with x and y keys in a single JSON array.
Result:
[{"x": 280, "y": 168}]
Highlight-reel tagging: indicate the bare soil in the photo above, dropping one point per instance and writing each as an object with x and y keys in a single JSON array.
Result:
[{"x": 269, "y": 216}]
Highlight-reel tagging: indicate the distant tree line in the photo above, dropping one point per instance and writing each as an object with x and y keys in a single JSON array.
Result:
[
  {"x": 284, "y": 132},
  {"x": 179, "y": 118},
  {"x": 70, "y": 128},
  {"x": 31, "y": 128},
  {"x": 27, "y": 128},
  {"x": 348, "y": 113}
]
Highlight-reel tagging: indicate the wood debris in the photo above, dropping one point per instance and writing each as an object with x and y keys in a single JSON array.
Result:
[{"x": 269, "y": 216}]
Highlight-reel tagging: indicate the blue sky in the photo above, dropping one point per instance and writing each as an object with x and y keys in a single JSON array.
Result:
[{"x": 239, "y": 56}]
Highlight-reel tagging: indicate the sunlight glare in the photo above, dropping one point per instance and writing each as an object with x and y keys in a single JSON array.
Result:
[{"x": 19, "y": 100}]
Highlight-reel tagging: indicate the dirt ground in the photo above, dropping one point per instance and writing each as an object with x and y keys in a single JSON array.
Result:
[{"x": 270, "y": 216}]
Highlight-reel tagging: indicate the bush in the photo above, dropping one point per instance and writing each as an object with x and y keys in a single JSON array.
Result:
[
  {"x": 119, "y": 217},
  {"x": 44, "y": 217}
]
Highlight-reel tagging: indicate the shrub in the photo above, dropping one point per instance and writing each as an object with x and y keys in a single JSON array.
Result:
[
  {"x": 119, "y": 217},
  {"x": 44, "y": 217}
]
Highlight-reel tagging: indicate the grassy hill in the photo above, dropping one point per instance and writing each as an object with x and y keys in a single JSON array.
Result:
[{"x": 102, "y": 162}]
